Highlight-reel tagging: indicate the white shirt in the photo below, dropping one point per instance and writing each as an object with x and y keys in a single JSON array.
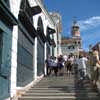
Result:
[
  {"x": 65, "y": 57},
  {"x": 82, "y": 63}
]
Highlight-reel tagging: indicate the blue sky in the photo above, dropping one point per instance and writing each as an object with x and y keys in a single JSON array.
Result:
[{"x": 87, "y": 13}]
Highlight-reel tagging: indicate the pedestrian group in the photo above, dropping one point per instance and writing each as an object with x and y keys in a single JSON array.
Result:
[{"x": 71, "y": 64}]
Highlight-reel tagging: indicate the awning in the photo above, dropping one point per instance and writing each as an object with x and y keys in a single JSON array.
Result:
[
  {"x": 41, "y": 34},
  {"x": 27, "y": 24},
  {"x": 6, "y": 15},
  {"x": 51, "y": 41},
  {"x": 34, "y": 10},
  {"x": 50, "y": 30}
]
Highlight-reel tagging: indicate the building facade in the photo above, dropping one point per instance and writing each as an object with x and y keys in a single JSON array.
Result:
[
  {"x": 72, "y": 45},
  {"x": 57, "y": 37},
  {"x": 26, "y": 40}
]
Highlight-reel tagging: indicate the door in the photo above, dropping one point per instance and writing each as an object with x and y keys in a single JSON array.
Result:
[
  {"x": 5, "y": 64},
  {"x": 25, "y": 68},
  {"x": 40, "y": 57}
]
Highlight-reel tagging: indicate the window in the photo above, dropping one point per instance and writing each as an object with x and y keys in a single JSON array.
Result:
[
  {"x": 78, "y": 42},
  {"x": 75, "y": 42}
]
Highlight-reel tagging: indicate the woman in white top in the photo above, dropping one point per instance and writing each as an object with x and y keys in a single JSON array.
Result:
[{"x": 82, "y": 66}]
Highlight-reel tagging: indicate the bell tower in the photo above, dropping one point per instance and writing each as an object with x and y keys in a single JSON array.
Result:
[
  {"x": 75, "y": 29},
  {"x": 75, "y": 32}
]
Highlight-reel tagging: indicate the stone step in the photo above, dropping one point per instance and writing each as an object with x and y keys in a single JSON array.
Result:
[
  {"x": 59, "y": 83},
  {"x": 54, "y": 85},
  {"x": 57, "y": 80},
  {"x": 60, "y": 94},
  {"x": 61, "y": 89},
  {"x": 58, "y": 88},
  {"x": 51, "y": 88},
  {"x": 49, "y": 94},
  {"x": 77, "y": 92},
  {"x": 57, "y": 98},
  {"x": 44, "y": 91}
]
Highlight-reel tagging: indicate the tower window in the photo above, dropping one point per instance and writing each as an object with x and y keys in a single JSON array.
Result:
[
  {"x": 75, "y": 42},
  {"x": 79, "y": 42}
]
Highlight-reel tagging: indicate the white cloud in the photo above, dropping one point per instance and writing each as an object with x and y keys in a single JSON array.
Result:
[{"x": 89, "y": 23}]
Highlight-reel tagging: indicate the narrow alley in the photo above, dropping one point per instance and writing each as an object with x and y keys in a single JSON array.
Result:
[{"x": 61, "y": 88}]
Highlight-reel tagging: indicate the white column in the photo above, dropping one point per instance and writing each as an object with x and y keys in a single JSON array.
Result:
[
  {"x": 55, "y": 49},
  {"x": 15, "y": 7},
  {"x": 51, "y": 50},
  {"x": 35, "y": 59},
  {"x": 14, "y": 60},
  {"x": 45, "y": 57},
  {"x": 32, "y": 3}
]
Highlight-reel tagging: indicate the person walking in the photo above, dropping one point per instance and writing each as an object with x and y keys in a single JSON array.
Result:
[
  {"x": 82, "y": 66},
  {"x": 96, "y": 66},
  {"x": 54, "y": 64},
  {"x": 60, "y": 64},
  {"x": 69, "y": 64},
  {"x": 76, "y": 64},
  {"x": 49, "y": 65}
]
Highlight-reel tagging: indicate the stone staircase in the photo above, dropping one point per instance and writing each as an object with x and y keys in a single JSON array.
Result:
[{"x": 61, "y": 88}]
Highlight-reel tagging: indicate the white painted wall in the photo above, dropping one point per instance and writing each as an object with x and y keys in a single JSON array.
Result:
[
  {"x": 46, "y": 23},
  {"x": 45, "y": 57},
  {"x": 15, "y": 7},
  {"x": 14, "y": 60},
  {"x": 55, "y": 49},
  {"x": 32, "y": 3}
]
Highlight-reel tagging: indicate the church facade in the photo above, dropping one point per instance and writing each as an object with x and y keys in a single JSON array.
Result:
[{"x": 72, "y": 45}]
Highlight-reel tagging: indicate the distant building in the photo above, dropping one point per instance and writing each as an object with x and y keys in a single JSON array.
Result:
[
  {"x": 74, "y": 43},
  {"x": 57, "y": 37},
  {"x": 75, "y": 29}
]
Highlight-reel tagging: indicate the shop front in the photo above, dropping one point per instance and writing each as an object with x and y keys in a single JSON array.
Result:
[
  {"x": 7, "y": 21},
  {"x": 40, "y": 48},
  {"x": 26, "y": 36},
  {"x": 5, "y": 63}
]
